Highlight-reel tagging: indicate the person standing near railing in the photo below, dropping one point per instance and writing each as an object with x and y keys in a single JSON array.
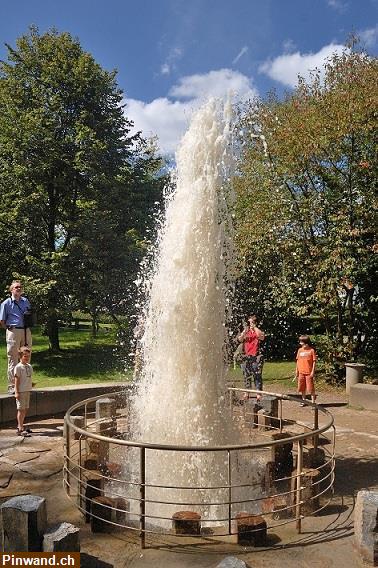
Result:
[
  {"x": 15, "y": 313},
  {"x": 252, "y": 337},
  {"x": 305, "y": 369}
]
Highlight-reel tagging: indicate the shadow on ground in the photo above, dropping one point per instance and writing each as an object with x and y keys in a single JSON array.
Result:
[{"x": 353, "y": 474}]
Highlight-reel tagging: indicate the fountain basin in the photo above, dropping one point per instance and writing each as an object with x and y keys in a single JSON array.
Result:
[{"x": 96, "y": 454}]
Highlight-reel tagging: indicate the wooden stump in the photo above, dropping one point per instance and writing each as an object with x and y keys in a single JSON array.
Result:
[
  {"x": 94, "y": 486},
  {"x": 91, "y": 462},
  {"x": 121, "y": 510},
  {"x": 251, "y": 529},
  {"x": 186, "y": 522},
  {"x": 101, "y": 514},
  {"x": 277, "y": 506},
  {"x": 309, "y": 480},
  {"x": 113, "y": 469},
  {"x": 314, "y": 457}
]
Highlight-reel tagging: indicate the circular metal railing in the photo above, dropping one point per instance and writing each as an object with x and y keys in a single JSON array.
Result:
[{"x": 297, "y": 460}]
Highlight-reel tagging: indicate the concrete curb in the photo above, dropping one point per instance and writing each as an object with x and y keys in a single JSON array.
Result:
[
  {"x": 55, "y": 400},
  {"x": 365, "y": 396}
]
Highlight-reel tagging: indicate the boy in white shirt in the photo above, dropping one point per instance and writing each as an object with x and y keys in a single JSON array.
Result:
[{"x": 23, "y": 384}]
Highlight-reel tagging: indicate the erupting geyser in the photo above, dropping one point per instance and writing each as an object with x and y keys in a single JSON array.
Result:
[{"x": 179, "y": 398}]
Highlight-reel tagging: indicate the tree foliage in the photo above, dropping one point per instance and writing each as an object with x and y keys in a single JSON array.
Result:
[
  {"x": 72, "y": 178},
  {"x": 306, "y": 206}
]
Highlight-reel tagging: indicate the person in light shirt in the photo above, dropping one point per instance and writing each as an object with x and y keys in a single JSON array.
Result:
[
  {"x": 12, "y": 318},
  {"x": 23, "y": 384},
  {"x": 305, "y": 370}
]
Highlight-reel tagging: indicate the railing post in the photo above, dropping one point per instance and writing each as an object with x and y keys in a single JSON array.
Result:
[
  {"x": 68, "y": 450},
  {"x": 229, "y": 481},
  {"x": 80, "y": 475},
  {"x": 142, "y": 503},
  {"x": 298, "y": 486},
  {"x": 280, "y": 410},
  {"x": 315, "y": 438}
]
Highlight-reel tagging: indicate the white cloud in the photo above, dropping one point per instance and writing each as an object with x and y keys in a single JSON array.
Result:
[
  {"x": 338, "y": 5},
  {"x": 163, "y": 118},
  {"x": 289, "y": 46},
  {"x": 168, "y": 117},
  {"x": 242, "y": 52},
  {"x": 369, "y": 37},
  {"x": 170, "y": 63},
  {"x": 286, "y": 68},
  {"x": 165, "y": 69},
  {"x": 215, "y": 83}
]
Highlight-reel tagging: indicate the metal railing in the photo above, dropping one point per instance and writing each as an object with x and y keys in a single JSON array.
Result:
[{"x": 285, "y": 498}]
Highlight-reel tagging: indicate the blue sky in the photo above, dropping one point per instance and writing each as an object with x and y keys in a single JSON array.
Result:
[{"x": 171, "y": 54}]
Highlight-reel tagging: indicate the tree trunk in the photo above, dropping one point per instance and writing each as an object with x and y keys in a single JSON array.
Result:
[
  {"x": 94, "y": 325},
  {"x": 53, "y": 330}
]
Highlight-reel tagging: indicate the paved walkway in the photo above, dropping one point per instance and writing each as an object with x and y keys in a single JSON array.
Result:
[{"x": 34, "y": 465}]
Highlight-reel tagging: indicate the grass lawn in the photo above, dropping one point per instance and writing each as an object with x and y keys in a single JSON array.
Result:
[
  {"x": 273, "y": 371},
  {"x": 82, "y": 359}
]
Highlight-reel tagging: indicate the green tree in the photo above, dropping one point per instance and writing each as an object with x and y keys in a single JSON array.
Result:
[
  {"x": 105, "y": 259},
  {"x": 65, "y": 150},
  {"x": 307, "y": 203}
]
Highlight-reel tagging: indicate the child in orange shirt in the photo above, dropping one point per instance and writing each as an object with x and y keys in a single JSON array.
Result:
[{"x": 305, "y": 370}]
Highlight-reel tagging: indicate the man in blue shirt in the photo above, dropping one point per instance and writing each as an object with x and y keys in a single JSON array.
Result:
[{"x": 12, "y": 312}]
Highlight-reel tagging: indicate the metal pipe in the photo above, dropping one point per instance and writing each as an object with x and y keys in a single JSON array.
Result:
[
  {"x": 142, "y": 504},
  {"x": 80, "y": 472},
  {"x": 198, "y": 448},
  {"x": 68, "y": 449},
  {"x": 229, "y": 490},
  {"x": 315, "y": 438},
  {"x": 298, "y": 484}
]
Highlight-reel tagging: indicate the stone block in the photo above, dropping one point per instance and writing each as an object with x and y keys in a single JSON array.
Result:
[
  {"x": 264, "y": 420},
  {"x": 282, "y": 454},
  {"x": 251, "y": 409},
  {"x": 93, "y": 487},
  {"x": 91, "y": 462},
  {"x": 120, "y": 511},
  {"x": 313, "y": 457},
  {"x": 270, "y": 404},
  {"x": 113, "y": 469},
  {"x": 310, "y": 482},
  {"x": 106, "y": 427},
  {"x": 24, "y": 523},
  {"x": 186, "y": 522},
  {"x": 267, "y": 484},
  {"x": 80, "y": 423},
  {"x": 101, "y": 514},
  {"x": 365, "y": 396},
  {"x": 105, "y": 408},
  {"x": 62, "y": 538},
  {"x": 251, "y": 529},
  {"x": 277, "y": 506},
  {"x": 366, "y": 526},
  {"x": 231, "y": 562}
]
